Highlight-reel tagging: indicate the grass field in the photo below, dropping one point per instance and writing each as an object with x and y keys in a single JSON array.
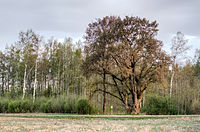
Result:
[{"x": 77, "y": 123}]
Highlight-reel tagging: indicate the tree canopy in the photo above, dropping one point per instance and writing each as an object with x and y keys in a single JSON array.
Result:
[{"x": 128, "y": 52}]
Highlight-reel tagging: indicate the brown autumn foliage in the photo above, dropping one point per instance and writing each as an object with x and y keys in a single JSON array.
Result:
[{"x": 126, "y": 51}]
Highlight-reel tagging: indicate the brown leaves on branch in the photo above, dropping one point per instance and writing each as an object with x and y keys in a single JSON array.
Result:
[{"x": 127, "y": 50}]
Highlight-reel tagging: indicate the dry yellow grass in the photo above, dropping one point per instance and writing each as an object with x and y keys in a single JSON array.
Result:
[{"x": 91, "y": 125}]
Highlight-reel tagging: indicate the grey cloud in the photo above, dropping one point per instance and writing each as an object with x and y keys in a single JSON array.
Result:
[{"x": 73, "y": 16}]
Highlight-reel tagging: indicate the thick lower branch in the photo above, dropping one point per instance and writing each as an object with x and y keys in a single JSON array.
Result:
[
  {"x": 109, "y": 94},
  {"x": 119, "y": 92}
]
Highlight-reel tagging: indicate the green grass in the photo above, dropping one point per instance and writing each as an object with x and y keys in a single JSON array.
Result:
[{"x": 63, "y": 116}]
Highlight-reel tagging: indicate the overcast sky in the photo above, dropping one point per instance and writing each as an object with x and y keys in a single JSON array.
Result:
[{"x": 69, "y": 18}]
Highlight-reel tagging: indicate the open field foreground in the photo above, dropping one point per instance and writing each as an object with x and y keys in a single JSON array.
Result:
[{"x": 77, "y": 123}]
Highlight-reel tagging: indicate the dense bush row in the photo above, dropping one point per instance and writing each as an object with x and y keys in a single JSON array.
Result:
[
  {"x": 154, "y": 105},
  {"x": 47, "y": 105},
  {"x": 157, "y": 105}
]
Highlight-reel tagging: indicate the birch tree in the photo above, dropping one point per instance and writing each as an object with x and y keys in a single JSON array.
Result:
[
  {"x": 36, "y": 69},
  {"x": 28, "y": 41},
  {"x": 178, "y": 48}
]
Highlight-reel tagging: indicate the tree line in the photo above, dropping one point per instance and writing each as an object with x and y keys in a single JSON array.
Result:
[
  {"x": 121, "y": 63},
  {"x": 32, "y": 66}
]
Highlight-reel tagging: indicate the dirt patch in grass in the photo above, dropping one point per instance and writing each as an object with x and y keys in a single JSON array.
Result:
[{"x": 9, "y": 123}]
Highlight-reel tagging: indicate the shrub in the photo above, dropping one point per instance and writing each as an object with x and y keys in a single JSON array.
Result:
[
  {"x": 70, "y": 107},
  {"x": 195, "y": 107},
  {"x": 14, "y": 107},
  {"x": 48, "y": 92},
  {"x": 26, "y": 106},
  {"x": 157, "y": 105},
  {"x": 82, "y": 107},
  {"x": 42, "y": 108},
  {"x": 20, "y": 106},
  {"x": 62, "y": 104},
  {"x": 39, "y": 104},
  {"x": 54, "y": 105},
  {"x": 70, "y": 104},
  {"x": 4, "y": 105},
  {"x": 48, "y": 107}
]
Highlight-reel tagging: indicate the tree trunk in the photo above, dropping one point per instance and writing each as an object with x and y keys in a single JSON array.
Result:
[
  {"x": 58, "y": 79},
  {"x": 172, "y": 77},
  {"x": 24, "y": 88},
  {"x": 104, "y": 94},
  {"x": 104, "y": 103},
  {"x": 35, "y": 82},
  {"x": 171, "y": 83},
  {"x": 128, "y": 108},
  {"x": 143, "y": 101},
  {"x": 2, "y": 93},
  {"x": 135, "y": 108}
]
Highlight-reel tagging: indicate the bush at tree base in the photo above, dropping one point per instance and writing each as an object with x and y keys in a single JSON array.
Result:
[
  {"x": 83, "y": 107},
  {"x": 157, "y": 105}
]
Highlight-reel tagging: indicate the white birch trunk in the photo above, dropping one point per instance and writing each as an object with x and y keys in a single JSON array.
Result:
[
  {"x": 35, "y": 82},
  {"x": 24, "y": 88},
  {"x": 172, "y": 77},
  {"x": 171, "y": 83},
  {"x": 144, "y": 98}
]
